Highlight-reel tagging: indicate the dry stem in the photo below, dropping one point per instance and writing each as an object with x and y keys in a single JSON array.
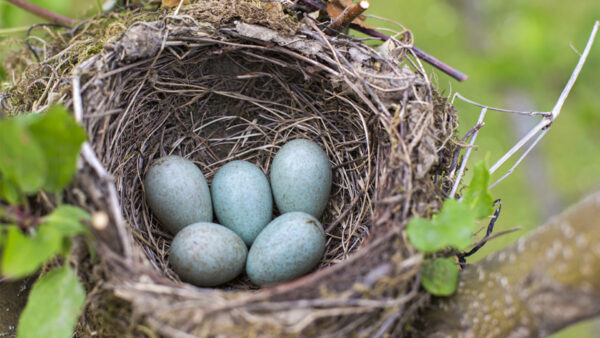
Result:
[
  {"x": 547, "y": 117},
  {"x": 42, "y": 12}
]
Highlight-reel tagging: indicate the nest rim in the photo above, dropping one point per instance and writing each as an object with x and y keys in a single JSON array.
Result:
[{"x": 121, "y": 249}]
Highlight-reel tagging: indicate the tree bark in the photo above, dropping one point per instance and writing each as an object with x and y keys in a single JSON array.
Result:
[{"x": 546, "y": 281}]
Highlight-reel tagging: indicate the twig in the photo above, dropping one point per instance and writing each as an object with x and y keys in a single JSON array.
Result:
[
  {"x": 348, "y": 15},
  {"x": 178, "y": 7},
  {"x": 543, "y": 124},
  {"x": 531, "y": 146},
  {"x": 518, "y": 112},
  {"x": 467, "y": 153},
  {"x": 439, "y": 64},
  {"x": 42, "y": 12},
  {"x": 90, "y": 157},
  {"x": 418, "y": 52},
  {"x": 548, "y": 117}
]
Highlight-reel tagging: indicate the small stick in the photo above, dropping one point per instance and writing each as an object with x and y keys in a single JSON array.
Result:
[
  {"x": 511, "y": 111},
  {"x": 458, "y": 75},
  {"x": 42, "y": 12},
  {"x": 348, "y": 15},
  {"x": 525, "y": 153},
  {"x": 439, "y": 64},
  {"x": 547, "y": 121},
  {"x": 418, "y": 52}
]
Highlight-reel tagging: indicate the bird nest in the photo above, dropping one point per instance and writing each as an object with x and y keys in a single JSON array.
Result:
[{"x": 228, "y": 80}]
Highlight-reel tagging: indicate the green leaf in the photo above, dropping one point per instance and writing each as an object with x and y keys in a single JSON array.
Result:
[
  {"x": 23, "y": 255},
  {"x": 60, "y": 137},
  {"x": 452, "y": 227},
  {"x": 68, "y": 220},
  {"x": 22, "y": 162},
  {"x": 477, "y": 196},
  {"x": 9, "y": 192},
  {"x": 439, "y": 276},
  {"x": 55, "y": 303}
]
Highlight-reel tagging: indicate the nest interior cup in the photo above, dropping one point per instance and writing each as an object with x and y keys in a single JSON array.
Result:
[{"x": 204, "y": 86}]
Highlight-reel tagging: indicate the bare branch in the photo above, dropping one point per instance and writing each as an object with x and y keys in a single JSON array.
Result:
[
  {"x": 547, "y": 122},
  {"x": 541, "y": 284},
  {"x": 42, "y": 12},
  {"x": 518, "y": 112}
]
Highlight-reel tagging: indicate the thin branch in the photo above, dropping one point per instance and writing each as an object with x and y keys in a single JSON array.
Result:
[
  {"x": 42, "y": 12},
  {"x": 439, "y": 64},
  {"x": 510, "y": 171},
  {"x": 88, "y": 154},
  {"x": 547, "y": 121},
  {"x": 348, "y": 15},
  {"x": 518, "y": 112},
  {"x": 541, "y": 125},
  {"x": 563, "y": 96},
  {"x": 418, "y": 52}
]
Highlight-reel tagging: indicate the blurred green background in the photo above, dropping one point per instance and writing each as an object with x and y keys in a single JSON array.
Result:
[{"x": 519, "y": 55}]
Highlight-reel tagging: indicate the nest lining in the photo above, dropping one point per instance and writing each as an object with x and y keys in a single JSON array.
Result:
[{"x": 212, "y": 89}]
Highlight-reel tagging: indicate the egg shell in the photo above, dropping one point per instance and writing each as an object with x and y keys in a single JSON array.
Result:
[
  {"x": 289, "y": 247},
  {"x": 207, "y": 254},
  {"x": 177, "y": 193},
  {"x": 242, "y": 199},
  {"x": 301, "y": 178}
]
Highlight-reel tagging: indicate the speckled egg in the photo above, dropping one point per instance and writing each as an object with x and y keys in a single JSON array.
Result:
[
  {"x": 207, "y": 254},
  {"x": 289, "y": 247},
  {"x": 242, "y": 199},
  {"x": 301, "y": 178},
  {"x": 177, "y": 193}
]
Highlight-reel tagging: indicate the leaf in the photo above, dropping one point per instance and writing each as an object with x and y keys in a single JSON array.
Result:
[
  {"x": 53, "y": 306},
  {"x": 60, "y": 137},
  {"x": 23, "y": 255},
  {"x": 67, "y": 219},
  {"x": 477, "y": 196},
  {"x": 22, "y": 162},
  {"x": 9, "y": 192},
  {"x": 452, "y": 227},
  {"x": 439, "y": 276}
]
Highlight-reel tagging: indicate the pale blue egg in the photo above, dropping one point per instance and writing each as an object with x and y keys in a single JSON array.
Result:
[
  {"x": 177, "y": 193},
  {"x": 288, "y": 248},
  {"x": 301, "y": 178},
  {"x": 242, "y": 199},
  {"x": 207, "y": 254}
]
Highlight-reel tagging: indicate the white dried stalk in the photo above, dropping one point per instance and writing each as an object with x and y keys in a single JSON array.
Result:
[
  {"x": 88, "y": 154},
  {"x": 543, "y": 126}
]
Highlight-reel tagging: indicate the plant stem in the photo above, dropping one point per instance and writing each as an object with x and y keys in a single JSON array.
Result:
[
  {"x": 418, "y": 52},
  {"x": 7, "y": 31},
  {"x": 42, "y": 12}
]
